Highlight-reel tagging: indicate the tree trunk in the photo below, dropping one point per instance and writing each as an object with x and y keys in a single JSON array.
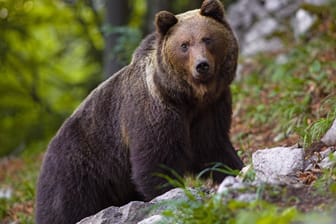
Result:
[
  {"x": 117, "y": 14},
  {"x": 154, "y": 6}
]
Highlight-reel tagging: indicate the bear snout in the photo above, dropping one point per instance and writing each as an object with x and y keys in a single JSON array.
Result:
[
  {"x": 202, "y": 71},
  {"x": 202, "y": 67}
]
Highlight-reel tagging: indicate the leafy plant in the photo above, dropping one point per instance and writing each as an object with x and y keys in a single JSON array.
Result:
[{"x": 217, "y": 167}]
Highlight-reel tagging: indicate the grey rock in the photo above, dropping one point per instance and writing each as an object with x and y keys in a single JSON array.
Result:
[
  {"x": 329, "y": 161},
  {"x": 243, "y": 14},
  {"x": 315, "y": 160},
  {"x": 256, "y": 38},
  {"x": 133, "y": 212},
  {"x": 280, "y": 60},
  {"x": 230, "y": 183},
  {"x": 155, "y": 219},
  {"x": 288, "y": 10},
  {"x": 235, "y": 188},
  {"x": 174, "y": 194},
  {"x": 278, "y": 165},
  {"x": 330, "y": 137},
  {"x": 260, "y": 29},
  {"x": 302, "y": 21},
  {"x": 262, "y": 45},
  {"x": 274, "y": 5},
  {"x": 138, "y": 211},
  {"x": 254, "y": 20},
  {"x": 6, "y": 193},
  {"x": 247, "y": 197},
  {"x": 309, "y": 166},
  {"x": 239, "y": 72}
]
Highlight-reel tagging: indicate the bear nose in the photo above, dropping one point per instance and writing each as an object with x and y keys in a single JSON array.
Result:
[{"x": 202, "y": 67}]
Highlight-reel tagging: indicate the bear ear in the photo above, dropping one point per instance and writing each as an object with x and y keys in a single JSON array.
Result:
[
  {"x": 164, "y": 21},
  {"x": 214, "y": 9}
]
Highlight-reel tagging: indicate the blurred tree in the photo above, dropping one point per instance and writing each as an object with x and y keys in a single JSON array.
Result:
[
  {"x": 154, "y": 6},
  {"x": 47, "y": 66},
  {"x": 117, "y": 15}
]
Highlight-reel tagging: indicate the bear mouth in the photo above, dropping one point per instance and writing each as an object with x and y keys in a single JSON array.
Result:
[{"x": 202, "y": 78}]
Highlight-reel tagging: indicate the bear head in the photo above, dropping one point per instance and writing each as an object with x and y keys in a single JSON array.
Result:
[{"x": 198, "y": 50}]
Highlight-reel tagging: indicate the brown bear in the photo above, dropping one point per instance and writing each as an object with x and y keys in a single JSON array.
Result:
[{"x": 169, "y": 109}]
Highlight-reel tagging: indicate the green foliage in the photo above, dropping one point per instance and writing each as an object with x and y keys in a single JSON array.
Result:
[
  {"x": 45, "y": 66},
  {"x": 138, "y": 13},
  {"x": 216, "y": 210},
  {"x": 172, "y": 178},
  {"x": 3, "y": 207},
  {"x": 317, "y": 129},
  {"x": 217, "y": 167}
]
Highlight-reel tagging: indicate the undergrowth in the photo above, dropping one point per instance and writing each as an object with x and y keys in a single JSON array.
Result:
[
  {"x": 213, "y": 210},
  {"x": 295, "y": 95}
]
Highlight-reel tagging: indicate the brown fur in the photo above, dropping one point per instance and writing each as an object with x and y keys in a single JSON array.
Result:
[{"x": 156, "y": 111}]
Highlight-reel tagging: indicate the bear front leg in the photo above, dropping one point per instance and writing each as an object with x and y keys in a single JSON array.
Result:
[
  {"x": 228, "y": 157},
  {"x": 157, "y": 148}
]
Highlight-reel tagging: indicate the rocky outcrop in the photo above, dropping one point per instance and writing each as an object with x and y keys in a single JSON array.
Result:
[
  {"x": 138, "y": 211},
  {"x": 131, "y": 213},
  {"x": 255, "y": 22}
]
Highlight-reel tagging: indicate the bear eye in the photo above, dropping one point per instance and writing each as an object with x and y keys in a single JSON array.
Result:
[
  {"x": 207, "y": 40},
  {"x": 184, "y": 47}
]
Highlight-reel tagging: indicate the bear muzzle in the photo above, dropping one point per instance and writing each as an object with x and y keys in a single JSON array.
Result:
[
  {"x": 202, "y": 67},
  {"x": 202, "y": 72}
]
